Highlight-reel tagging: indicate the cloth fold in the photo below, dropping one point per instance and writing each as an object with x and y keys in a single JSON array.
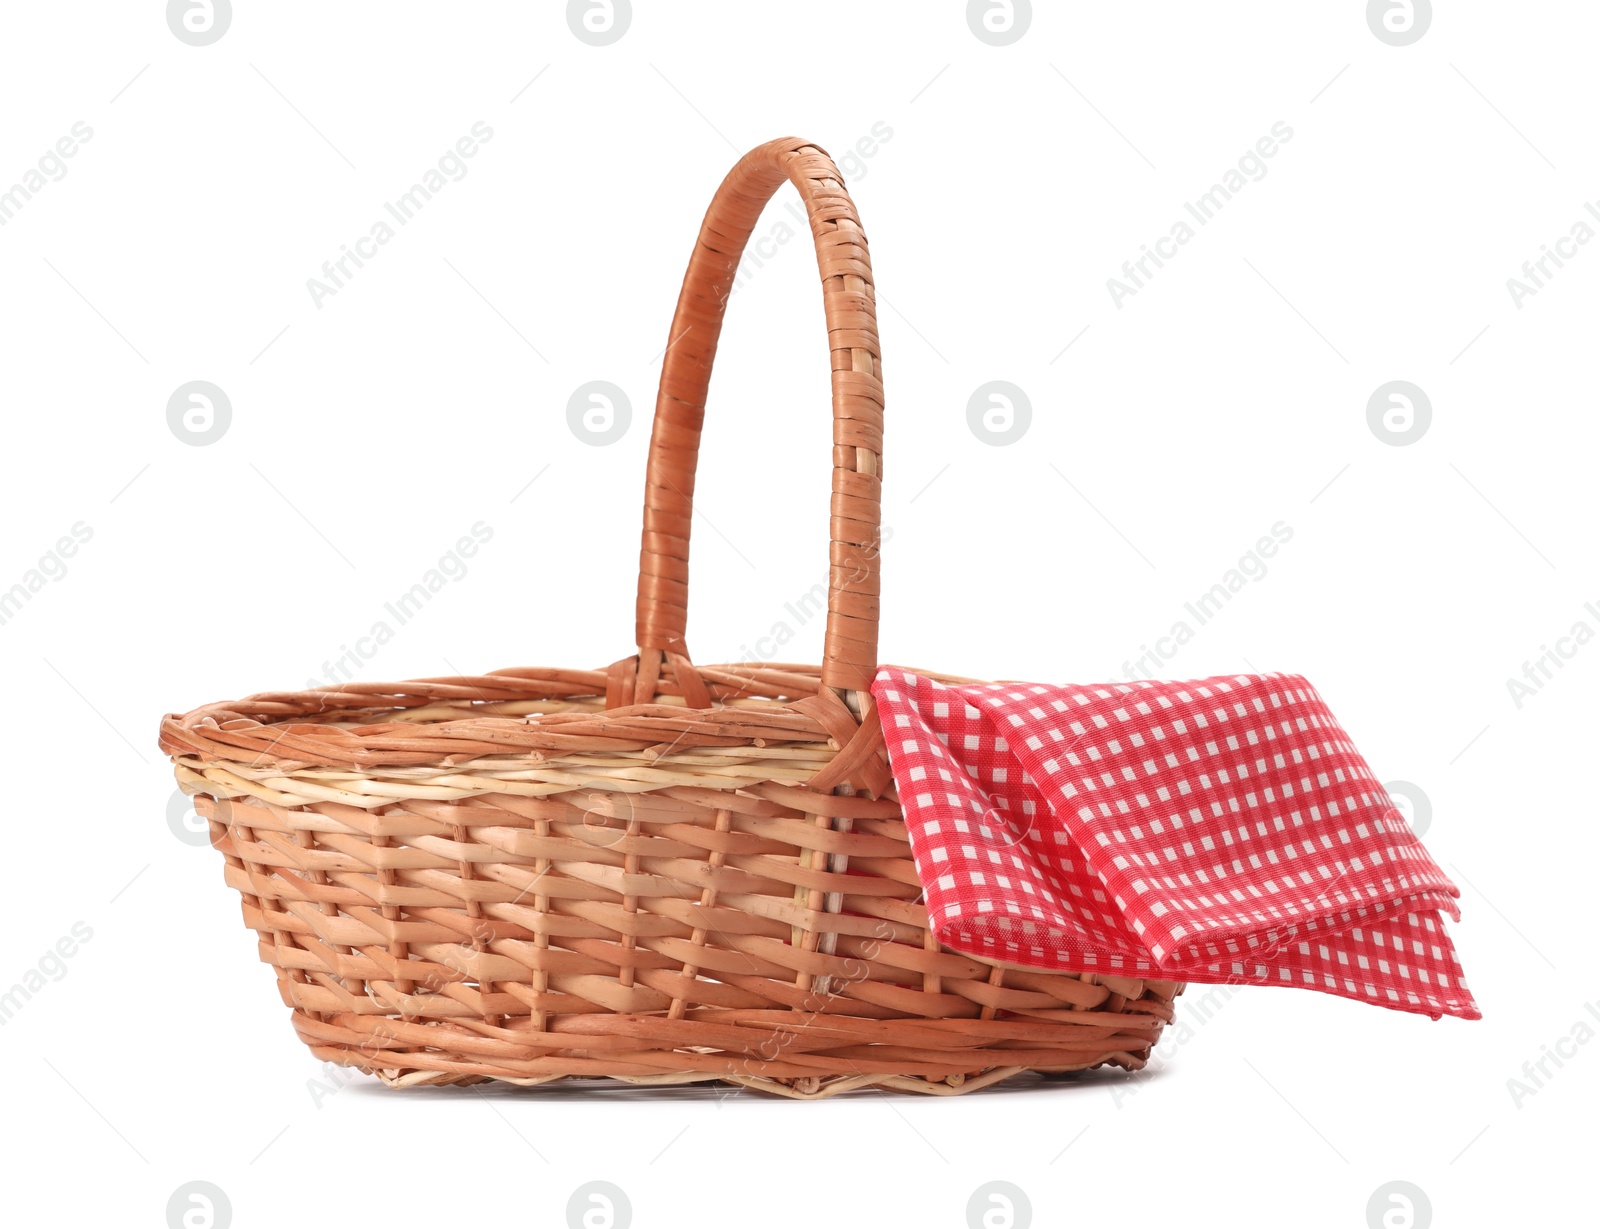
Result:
[{"x": 1216, "y": 830}]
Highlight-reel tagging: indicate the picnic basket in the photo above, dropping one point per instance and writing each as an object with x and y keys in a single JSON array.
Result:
[{"x": 659, "y": 872}]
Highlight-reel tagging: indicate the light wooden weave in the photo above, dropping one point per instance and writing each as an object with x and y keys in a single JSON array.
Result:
[{"x": 660, "y": 872}]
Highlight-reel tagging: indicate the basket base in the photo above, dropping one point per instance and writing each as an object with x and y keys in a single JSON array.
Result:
[{"x": 805, "y": 1088}]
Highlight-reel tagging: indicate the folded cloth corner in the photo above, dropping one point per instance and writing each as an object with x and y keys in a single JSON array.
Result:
[{"x": 1220, "y": 830}]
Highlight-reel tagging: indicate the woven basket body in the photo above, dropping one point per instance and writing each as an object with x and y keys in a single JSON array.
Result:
[{"x": 660, "y": 872}]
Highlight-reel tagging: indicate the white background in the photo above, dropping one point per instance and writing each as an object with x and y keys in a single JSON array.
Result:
[{"x": 369, "y": 433}]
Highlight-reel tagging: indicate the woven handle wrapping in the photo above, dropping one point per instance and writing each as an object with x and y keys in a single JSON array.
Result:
[{"x": 850, "y": 652}]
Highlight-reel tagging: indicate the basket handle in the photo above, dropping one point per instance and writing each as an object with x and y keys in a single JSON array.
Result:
[{"x": 850, "y": 651}]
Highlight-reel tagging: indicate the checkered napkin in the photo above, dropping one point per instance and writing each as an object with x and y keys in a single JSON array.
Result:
[{"x": 1220, "y": 830}]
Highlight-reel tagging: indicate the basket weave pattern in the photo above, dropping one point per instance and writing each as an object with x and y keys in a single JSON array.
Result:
[{"x": 659, "y": 872}]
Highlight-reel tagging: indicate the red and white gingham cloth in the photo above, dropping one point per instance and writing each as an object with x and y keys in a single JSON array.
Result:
[{"x": 1220, "y": 830}]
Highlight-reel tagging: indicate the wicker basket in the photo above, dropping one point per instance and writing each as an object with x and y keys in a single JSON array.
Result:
[{"x": 657, "y": 872}]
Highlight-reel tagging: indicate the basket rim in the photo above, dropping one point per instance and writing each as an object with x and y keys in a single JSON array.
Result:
[{"x": 408, "y": 724}]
